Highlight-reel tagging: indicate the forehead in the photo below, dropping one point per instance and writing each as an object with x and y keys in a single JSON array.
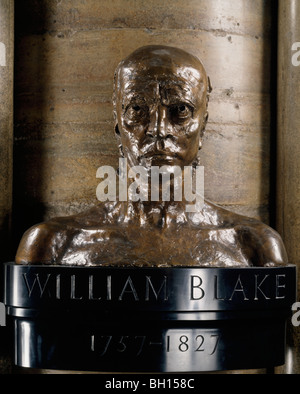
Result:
[{"x": 180, "y": 80}]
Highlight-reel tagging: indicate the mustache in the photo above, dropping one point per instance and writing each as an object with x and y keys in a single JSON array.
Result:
[{"x": 154, "y": 150}]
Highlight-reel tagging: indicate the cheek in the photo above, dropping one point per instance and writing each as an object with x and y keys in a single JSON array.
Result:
[
  {"x": 189, "y": 140},
  {"x": 134, "y": 130},
  {"x": 194, "y": 129},
  {"x": 133, "y": 127},
  {"x": 191, "y": 136},
  {"x": 131, "y": 137}
]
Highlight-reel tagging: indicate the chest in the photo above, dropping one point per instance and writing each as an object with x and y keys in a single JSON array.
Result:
[{"x": 144, "y": 246}]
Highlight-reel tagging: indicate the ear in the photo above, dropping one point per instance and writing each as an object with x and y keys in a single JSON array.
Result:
[
  {"x": 205, "y": 119},
  {"x": 117, "y": 134},
  {"x": 209, "y": 87},
  {"x": 117, "y": 131}
]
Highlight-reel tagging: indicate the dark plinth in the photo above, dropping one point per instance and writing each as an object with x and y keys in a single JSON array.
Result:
[{"x": 149, "y": 319}]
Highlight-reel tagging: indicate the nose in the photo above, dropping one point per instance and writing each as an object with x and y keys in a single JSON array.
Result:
[{"x": 158, "y": 125}]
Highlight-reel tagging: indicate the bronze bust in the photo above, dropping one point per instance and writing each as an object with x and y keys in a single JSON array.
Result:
[{"x": 160, "y": 106}]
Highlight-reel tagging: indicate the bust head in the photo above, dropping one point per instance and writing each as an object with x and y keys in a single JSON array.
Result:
[{"x": 160, "y": 106}]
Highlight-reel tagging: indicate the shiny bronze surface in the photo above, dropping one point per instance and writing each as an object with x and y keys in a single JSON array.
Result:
[{"x": 160, "y": 107}]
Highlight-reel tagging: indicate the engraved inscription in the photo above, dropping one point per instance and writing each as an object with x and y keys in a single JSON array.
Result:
[
  {"x": 96, "y": 288},
  {"x": 151, "y": 290},
  {"x": 197, "y": 292},
  {"x": 258, "y": 289},
  {"x": 174, "y": 342},
  {"x": 280, "y": 284},
  {"x": 239, "y": 288},
  {"x": 36, "y": 283},
  {"x": 196, "y": 342},
  {"x": 158, "y": 289},
  {"x": 129, "y": 289},
  {"x": 261, "y": 287}
]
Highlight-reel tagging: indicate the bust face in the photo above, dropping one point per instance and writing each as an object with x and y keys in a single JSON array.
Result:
[{"x": 161, "y": 100}]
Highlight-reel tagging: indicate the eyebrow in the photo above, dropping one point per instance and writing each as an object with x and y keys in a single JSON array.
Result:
[
  {"x": 182, "y": 100},
  {"x": 135, "y": 97}
]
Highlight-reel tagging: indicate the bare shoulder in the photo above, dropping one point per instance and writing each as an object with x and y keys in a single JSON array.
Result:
[
  {"x": 40, "y": 243},
  {"x": 261, "y": 244},
  {"x": 267, "y": 244},
  {"x": 45, "y": 243}
]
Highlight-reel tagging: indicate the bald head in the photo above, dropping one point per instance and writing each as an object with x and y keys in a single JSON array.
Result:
[{"x": 159, "y": 61}]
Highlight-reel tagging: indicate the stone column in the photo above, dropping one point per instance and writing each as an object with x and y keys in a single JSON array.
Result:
[
  {"x": 6, "y": 121},
  {"x": 6, "y": 150},
  {"x": 288, "y": 148}
]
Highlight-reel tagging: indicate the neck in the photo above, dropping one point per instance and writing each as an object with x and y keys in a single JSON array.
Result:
[{"x": 160, "y": 214}]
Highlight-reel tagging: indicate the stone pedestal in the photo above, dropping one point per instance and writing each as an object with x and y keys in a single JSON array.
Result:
[{"x": 149, "y": 319}]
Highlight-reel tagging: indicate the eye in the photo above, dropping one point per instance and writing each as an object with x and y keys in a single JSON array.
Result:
[
  {"x": 182, "y": 109},
  {"x": 181, "y": 112},
  {"x": 136, "y": 113}
]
